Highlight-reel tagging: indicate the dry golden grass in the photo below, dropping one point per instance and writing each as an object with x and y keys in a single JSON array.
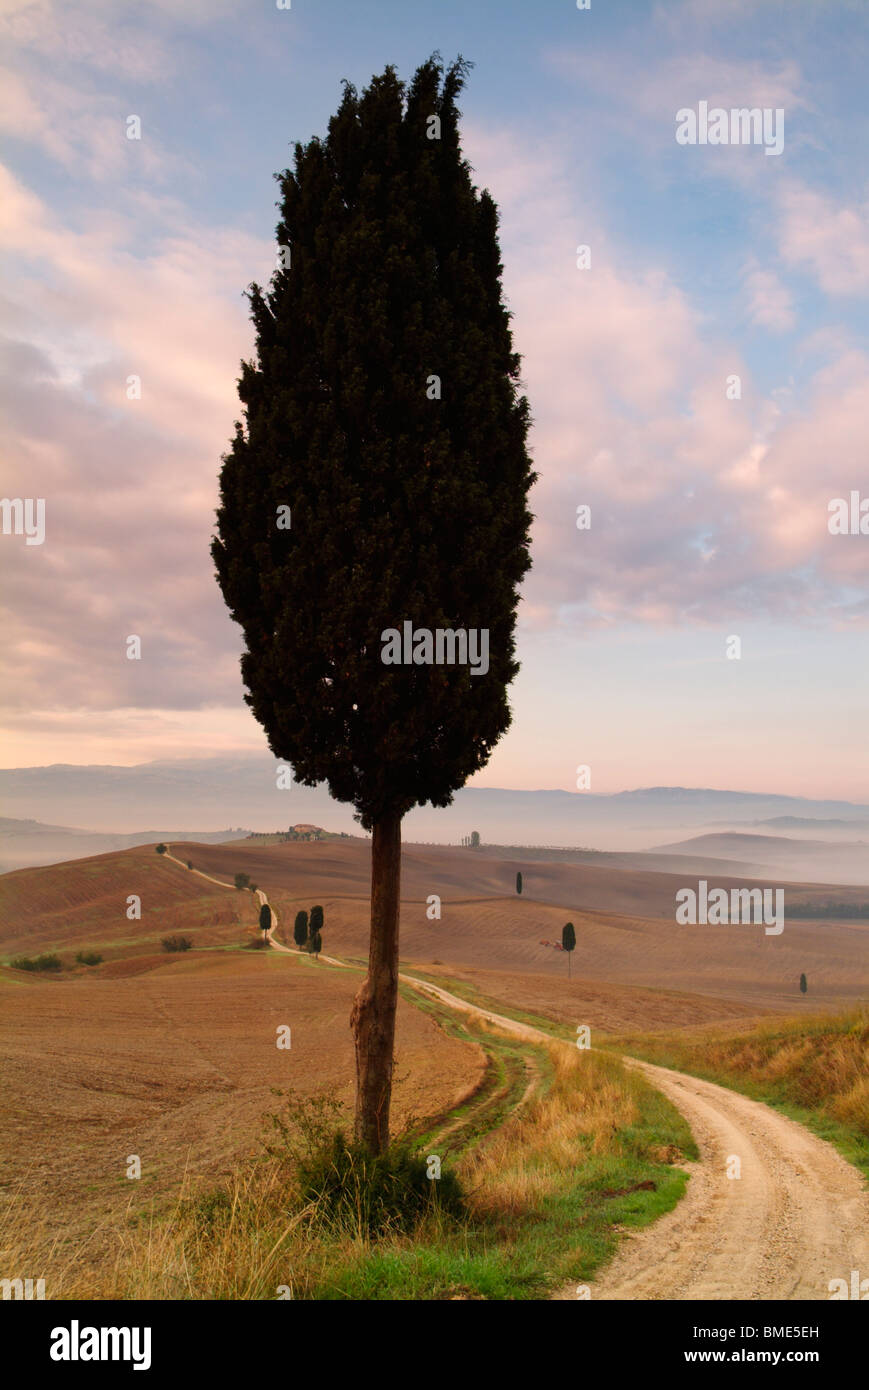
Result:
[
  {"x": 245, "y": 1248},
  {"x": 819, "y": 1062},
  {"x": 581, "y": 1112}
]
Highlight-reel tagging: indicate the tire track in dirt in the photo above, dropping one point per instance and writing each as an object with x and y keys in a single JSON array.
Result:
[{"x": 796, "y": 1218}]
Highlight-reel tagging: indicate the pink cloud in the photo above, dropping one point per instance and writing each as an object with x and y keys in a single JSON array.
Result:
[{"x": 830, "y": 241}]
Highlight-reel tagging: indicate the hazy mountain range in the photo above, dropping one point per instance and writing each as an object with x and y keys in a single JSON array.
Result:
[
  {"x": 117, "y": 802},
  {"x": 792, "y": 859}
]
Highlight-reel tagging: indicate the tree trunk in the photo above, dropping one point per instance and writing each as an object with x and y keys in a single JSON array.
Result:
[{"x": 373, "y": 1016}]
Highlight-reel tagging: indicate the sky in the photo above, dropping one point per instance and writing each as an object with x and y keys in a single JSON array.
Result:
[{"x": 708, "y": 262}]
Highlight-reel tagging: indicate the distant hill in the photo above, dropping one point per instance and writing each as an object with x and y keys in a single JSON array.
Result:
[
  {"x": 810, "y": 823},
  {"x": 662, "y": 863},
  {"x": 625, "y": 923},
  {"x": 832, "y": 824},
  {"x": 27, "y": 843},
  {"x": 824, "y": 861},
  {"x": 206, "y": 791}
]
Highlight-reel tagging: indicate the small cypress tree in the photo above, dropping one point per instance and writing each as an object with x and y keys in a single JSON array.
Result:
[
  {"x": 568, "y": 942},
  {"x": 316, "y": 944},
  {"x": 265, "y": 918},
  {"x": 315, "y": 925},
  {"x": 518, "y": 883},
  {"x": 300, "y": 929},
  {"x": 475, "y": 839},
  {"x": 804, "y": 984},
  {"x": 161, "y": 849}
]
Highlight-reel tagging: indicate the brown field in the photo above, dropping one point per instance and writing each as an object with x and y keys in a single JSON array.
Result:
[
  {"x": 485, "y": 925},
  {"x": 604, "y": 1007},
  {"x": 176, "y": 1064},
  {"x": 83, "y": 903},
  {"x": 624, "y": 940}
]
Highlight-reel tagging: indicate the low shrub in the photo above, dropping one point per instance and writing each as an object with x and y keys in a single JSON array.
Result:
[
  {"x": 349, "y": 1187},
  {"x": 46, "y": 962},
  {"x": 176, "y": 943},
  {"x": 88, "y": 958}
]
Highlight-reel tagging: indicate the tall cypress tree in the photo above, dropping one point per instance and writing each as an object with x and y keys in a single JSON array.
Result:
[
  {"x": 300, "y": 929},
  {"x": 315, "y": 924},
  {"x": 568, "y": 941},
  {"x": 380, "y": 476}
]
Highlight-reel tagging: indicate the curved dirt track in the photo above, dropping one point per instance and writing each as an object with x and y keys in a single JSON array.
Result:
[{"x": 797, "y": 1217}]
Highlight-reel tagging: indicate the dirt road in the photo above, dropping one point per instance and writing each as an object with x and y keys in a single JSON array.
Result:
[
  {"x": 263, "y": 900},
  {"x": 796, "y": 1217}
]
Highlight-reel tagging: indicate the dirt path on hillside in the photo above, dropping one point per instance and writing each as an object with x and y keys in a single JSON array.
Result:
[
  {"x": 263, "y": 900},
  {"x": 294, "y": 951},
  {"x": 796, "y": 1218}
]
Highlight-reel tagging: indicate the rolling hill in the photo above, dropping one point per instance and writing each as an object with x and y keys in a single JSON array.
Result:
[{"x": 625, "y": 924}]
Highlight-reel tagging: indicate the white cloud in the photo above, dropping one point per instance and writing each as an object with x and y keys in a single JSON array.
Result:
[
  {"x": 830, "y": 241},
  {"x": 769, "y": 301}
]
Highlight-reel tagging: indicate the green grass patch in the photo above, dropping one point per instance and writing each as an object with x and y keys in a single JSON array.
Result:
[{"x": 523, "y": 1244}]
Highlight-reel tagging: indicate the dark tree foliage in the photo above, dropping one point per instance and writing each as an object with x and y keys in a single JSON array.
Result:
[
  {"x": 300, "y": 929},
  {"x": 265, "y": 917},
  {"x": 315, "y": 925},
  {"x": 568, "y": 941},
  {"x": 401, "y": 507},
  {"x": 804, "y": 984},
  {"x": 518, "y": 883},
  {"x": 359, "y": 494}
]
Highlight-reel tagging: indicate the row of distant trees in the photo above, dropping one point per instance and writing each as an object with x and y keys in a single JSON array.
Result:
[{"x": 308, "y": 931}]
